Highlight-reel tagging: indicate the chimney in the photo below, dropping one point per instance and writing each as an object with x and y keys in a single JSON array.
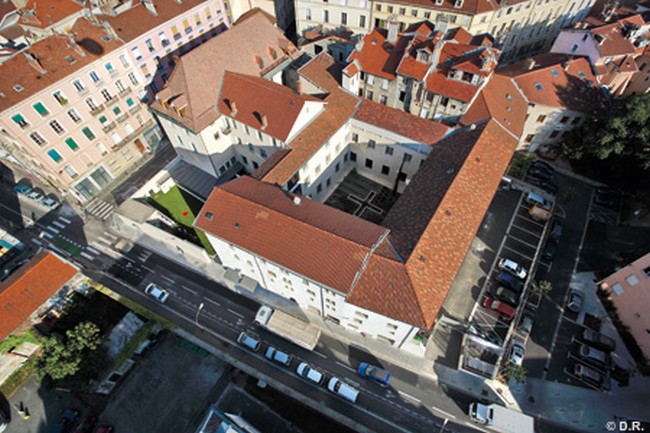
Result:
[
  {"x": 529, "y": 64},
  {"x": 265, "y": 122},
  {"x": 35, "y": 63},
  {"x": 393, "y": 28},
  {"x": 435, "y": 56},
  {"x": 151, "y": 8},
  {"x": 233, "y": 108}
]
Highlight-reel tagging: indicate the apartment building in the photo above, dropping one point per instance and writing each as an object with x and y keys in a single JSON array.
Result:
[
  {"x": 520, "y": 28},
  {"x": 561, "y": 92},
  {"x": 156, "y": 33},
  {"x": 282, "y": 12},
  {"x": 71, "y": 114},
  {"x": 186, "y": 105},
  {"x": 611, "y": 47},
  {"x": 354, "y": 15},
  {"x": 432, "y": 74}
]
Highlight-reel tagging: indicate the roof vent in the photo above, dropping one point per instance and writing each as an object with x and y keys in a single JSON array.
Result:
[
  {"x": 297, "y": 201},
  {"x": 237, "y": 225},
  {"x": 471, "y": 128},
  {"x": 450, "y": 171}
]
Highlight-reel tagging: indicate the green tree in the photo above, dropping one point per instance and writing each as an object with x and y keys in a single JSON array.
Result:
[
  {"x": 62, "y": 358},
  {"x": 513, "y": 371},
  {"x": 542, "y": 287},
  {"x": 623, "y": 130}
]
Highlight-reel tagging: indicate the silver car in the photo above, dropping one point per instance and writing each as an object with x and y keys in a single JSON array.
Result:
[{"x": 156, "y": 292}]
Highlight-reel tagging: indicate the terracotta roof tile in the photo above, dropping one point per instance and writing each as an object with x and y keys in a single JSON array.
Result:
[
  {"x": 440, "y": 84},
  {"x": 270, "y": 162},
  {"x": 557, "y": 80},
  {"x": 257, "y": 100},
  {"x": 29, "y": 287},
  {"x": 44, "y": 13},
  {"x": 137, "y": 20},
  {"x": 614, "y": 40},
  {"x": 377, "y": 56},
  {"x": 394, "y": 120},
  {"x": 199, "y": 73},
  {"x": 52, "y": 52}
]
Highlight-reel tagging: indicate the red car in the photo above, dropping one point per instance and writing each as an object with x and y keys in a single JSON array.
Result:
[{"x": 505, "y": 310}]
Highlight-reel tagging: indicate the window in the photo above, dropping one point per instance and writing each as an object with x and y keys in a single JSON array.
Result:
[
  {"x": 60, "y": 98},
  {"x": 408, "y": 157},
  {"x": 117, "y": 111},
  {"x": 145, "y": 71},
  {"x": 384, "y": 84},
  {"x": 88, "y": 133},
  {"x": 383, "y": 99},
  {"x": 554, "y": 134},
  {"x": 263, "y": 153},
  {"x": 136, "y": 53},
  {"x": 54, "y": 155},
  {"x": 541, "y": 118},
  {"x": 371, "y": 144},
  {"x": 371, "y": 79},
  {"x": 632, "y": 280},
  {"x": 344, "y": 18},
  {"x": 355, "y": 137},
  {"x": 389, "y": 9},
  {"x": 337, "y": 167},
  {"x": 385, "y": 170},
  {"x": 79, "y": 85},
  {"x": 103, "y": 120},
  {"x": 175, "y": 33},
  {"x": 427, "y": 15},
  {"x": 646, "y": 272},
  {"x": 369, "y": 94},
  {"x": 197, "y": 19},
  {"x": 120, "y": 86},
  {"x": 389, "y": 150},
  {"x": 319, "y": 188},
  {"x": 617, "y": 289},
  {"x": 37, "y": 138},
  {"x": 72, "y": 113},
  {"x": 564, "y": 119},
  {"x": 368, "y": 163},
  {"x": 124, "y": 61},
  {"x": 308, "y": 14},
  {"x": 362, "y": 21},
  {"x": 163, "y": 39},
  {"x": 56, "y": 126},
  {"x": 555, "y": 73},
  {"x": 101, "y": 149},
  {"x": 530, "y": 138},
  {"x": 326, "y": 16},
  {"x": 94, "y": 77},
  {"x": 187, "y": 27},
  {"x": 133, "y": 78},
  {"x": 109, "y": 68},
  {"x": 107, "y": 95},
  {"x": 149, "y": 45},
  {"x": 208, "y": 14},
  {"x": 71, "y": 143},
  {"x": 378, "y": 8},
  {"x": 414, "y": 12},
  {"x": 70, "y": 171},
  {"x": 20, "y": 120},
  {"x": 353, "y": 157},
  {"x": 402, "y": 11},
  {"x": 40, "y": 109},
  {"x": 538, "y": 86}
]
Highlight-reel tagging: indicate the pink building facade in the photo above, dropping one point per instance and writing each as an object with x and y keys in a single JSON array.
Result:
[
  {"x": 629, "y": 290},
  {"x": 70, "y": 112}
]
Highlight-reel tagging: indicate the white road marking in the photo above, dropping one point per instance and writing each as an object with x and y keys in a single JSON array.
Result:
[
  {"x": 212, "y": 301},
  {"x": 53, "y": 230},
  {"x": 189, "y": 290},
  {"x": 37, "y": 242},
  {"x": 58, "y": 224},
  {"x": 347, "y": 367},
  {"x": 65, "y": 220},
  {"x": 521, "y": 241},
  {"x": 88, "y": 256},
  {"x": 319, "y": 354},
  {"x": 47, "y": 235},
  {"x": 92, "y": 250},
  {"x": 447, "y": 414},
  {"x": 235, "y": 313},
  {"x": 166, "y": 278},
  {"x": 403, "y": 394},
  {"x": 474, "y": 426},
  {"x": 505, "y": 247},
  {"x": 525, "y": 230}
]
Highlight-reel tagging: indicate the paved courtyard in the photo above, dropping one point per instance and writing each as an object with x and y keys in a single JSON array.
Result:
[{"x": 363, "y": 198}]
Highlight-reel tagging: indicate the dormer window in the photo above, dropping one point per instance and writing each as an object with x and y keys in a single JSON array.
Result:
[
  {"x": 438, "y": 2},
  {"x": 423, "y": 56},
  {"x": 458, "y": 3}
]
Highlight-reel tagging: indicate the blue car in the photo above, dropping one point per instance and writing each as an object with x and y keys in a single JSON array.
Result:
[
  {"x": 376, "y": 374},
  {"x": 23, "y": 189},
  {"x": 511, "y": 281}
]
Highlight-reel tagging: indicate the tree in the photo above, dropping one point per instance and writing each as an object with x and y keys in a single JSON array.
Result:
[
  {"x": 62, "y": 358},
  {"x": 622, "y": 130},
  {"x": 542, "y": 287},
  {"x": 514, "y": 372}
]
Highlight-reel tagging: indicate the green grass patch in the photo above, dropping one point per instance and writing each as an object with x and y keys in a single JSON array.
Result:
[
  {"x": 66, "y": 245},
  {"x": 519, "y": 164},
  {"x": 13, "y": 341},
  {"x": 132, "y": 345},
  {"x": 19, "y": 377},
  {"x": 182, "y": 207}
]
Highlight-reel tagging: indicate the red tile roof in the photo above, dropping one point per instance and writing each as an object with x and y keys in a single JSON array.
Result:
[
  {"x": 340, "y": 106},
  {"x": 440, "y": 84},
  {"x": 137, "y": 20},
  {"x": 29, "y": 287},
  {"x": 257, "y": 100},
  {"x": 44, "y": 13},
  {"x": 52, "y": 52},
  {"x": 397, "y": 121},
  {"x": 197, "y": 77},
  {"x": 557, "y": 80},
  {"x": 377, "y": 57},
  {"x": 614, "y": 38}
]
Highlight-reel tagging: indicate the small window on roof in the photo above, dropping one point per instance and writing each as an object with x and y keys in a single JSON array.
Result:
[
  {"x": 18, "y": 88},
  {"x": 538, "y": 86},
  {"x": 70, "y": 59},
  {"x": 554, "y": 72},
  {"x": 208, "y": 215}
]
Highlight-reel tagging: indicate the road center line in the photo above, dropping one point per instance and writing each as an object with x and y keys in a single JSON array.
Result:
[
  {"x": 235, "y": 313},
  {"x": 189, "y": 290},
  {"x": 347, "y": 367},
  {"x": 403, "y": 394},
  {"x": 212, "y": 301},
  {"x": 319, "y": 354}
]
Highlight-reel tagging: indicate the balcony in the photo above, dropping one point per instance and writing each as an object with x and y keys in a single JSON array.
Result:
[
  {"x": 133, "y": 135},
  {"x": 95, "y": 111},
  {"x": 122, "y": 117},
  {"x": 135, "y": 108},
  {"x": 125, "y": 92},
  {"x": 226, "y": 130},
  {"x": 108, "y": 127},
  {"x": 82, "y": 91},
  {"x": 111, "y": 102},
  {"x": 113, "y": 73}
]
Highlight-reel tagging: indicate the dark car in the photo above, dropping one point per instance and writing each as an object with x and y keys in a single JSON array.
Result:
[
  {"x": 506, "y": 295},
  {"x": 4, "y": 420},
  {"x": 510, "y": 280},
  {"x": 556, "y": 230},
  {"x": 543, "y": 166},
  {"x": 576, "y": 299},
  {"x": 551, "y": 249},
  {"x": 87, "y": 425},
  {"x": 66, "y": 423},
  {"x": 374, "y": 373},
  {"x": 547, "y": 186},
  {"x": 608, "y": 197},
  {"x": 539, "y": 173}
]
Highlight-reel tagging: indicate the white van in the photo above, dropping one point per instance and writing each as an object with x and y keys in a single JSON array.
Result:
[{"x": 342, "y": 389}]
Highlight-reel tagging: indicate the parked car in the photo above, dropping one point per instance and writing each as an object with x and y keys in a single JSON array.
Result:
[
  {"x": 576, "y": 299},
  {"x": 545, "y": 185},
  {"x": 541, "y": 165},
  {"x": 594, "y": 355},
  {"x": 309, "y": 373},
  {"x": 511, "y": 281},
  {"x": 598, "y": 340},
  {"x": 23, "y": 189},
  {"x": 608, "y": 197},
  {"x": 374, "y": 373},
  {"x": 250, "y": 342},
  {"x": 87, "y": 425},
  {"x": 66, "y": 422},
  {"x": 513, "y": 267},
  {"x": 506, "y": 295},
  {"x": 556, "y": 230},
  {"x": 591, "y": 376},
  {"x": 35, "y": 195},
  {"x": 50, "y": 203},
  {"x": 504, "y": 310},
  {"x": 517, "y": 351},
  {"x": 488, "y": 335},
  {"x": 280, "y": 357},
  {"x": 533, "y": 198},
  {"x": 4, "y": 420},
  {"x": 156, "y": 292},
  {"x": 340, "y": 388},
  {"x": 527, "y": 320},
  {"x": 539, "y": 213},
  {"x": 550, "y": 250},
  {"x": 540, "y": 173}
]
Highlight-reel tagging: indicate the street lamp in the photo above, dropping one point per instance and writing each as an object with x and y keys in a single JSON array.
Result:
[{"x": 198, "y": 311}]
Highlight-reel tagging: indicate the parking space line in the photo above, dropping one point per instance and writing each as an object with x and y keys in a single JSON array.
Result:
[
  {"x": 235, "y": 313},
  {"x": 537, "y": 235},
  {"x": 568, "y": 373},
  {"x": 522, "y": 241},
  {"x": 403, "y": 394},
  {"x": 212, "y": 301},
  {"x": 505, "y": 247},
  {"x": 320, "y": 354}
]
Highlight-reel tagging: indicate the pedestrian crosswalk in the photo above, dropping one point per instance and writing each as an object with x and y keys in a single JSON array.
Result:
[
  {"x": 104, "y": 244},
  {"x": 100, "y": 209}
]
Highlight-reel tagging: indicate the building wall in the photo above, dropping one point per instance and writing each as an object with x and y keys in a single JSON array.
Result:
[
  {"x": 113, "y": 137},
  {"x": 629, "y": 289},
  {"x": 152, "y": 53},
  {"x": 379, "y": 89},
  {"x": 329, "y": 15},
  {"x": 407, "y": 14},
  {"x": 577, "y": 42},
  {"x": 640, "y": 82},
  {"x": 545, "y": 125},
  {"x": 311, "y": 295}
]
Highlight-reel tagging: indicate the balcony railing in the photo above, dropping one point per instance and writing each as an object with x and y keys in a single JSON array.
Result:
[
  {"x": 111, "y": 101},
  {"x": 97, "y": 109},
  {"x": 108, "y": 127},
  {"x": 133, "y": 135},
  {"x": 135, "y": 108},
  {"x": 82, "y": 91},
  {"x": 122, "y": 117},
  {"x": 226, "y": 130},
  {"x": 125, "y": 92}
]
